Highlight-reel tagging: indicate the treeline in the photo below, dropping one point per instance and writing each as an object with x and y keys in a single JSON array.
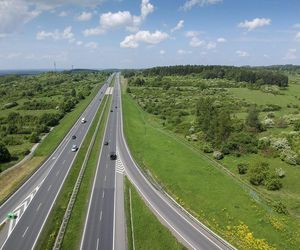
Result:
[{"x": 238, "y": 74}]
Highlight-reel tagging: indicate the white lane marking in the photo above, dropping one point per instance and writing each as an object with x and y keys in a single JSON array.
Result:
[
  {"x": 102, "y": 194},
  {"x": 97, "y": 244},
  {"x": 101, "y": 215},
  {"x": 39, "y": 207},
  {"x": 105, "y": 178},
  {"x": 64, "y": 161},
  {"x": 25, "y": 232},
  {"x": 49, "y": 187},
  {"x": 57, "y": 172}
]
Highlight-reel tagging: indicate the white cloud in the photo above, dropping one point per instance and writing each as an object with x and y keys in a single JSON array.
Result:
[
  {"x": 55, "y": 3},
  {"x": 291, "y": 54},
  {"x": 111, "y": 20},
  {"x": 192, "y": 3},
  {"x": 196, "y": 42},
  {"x": 79, "y": 43},
  {"x": 162, "y": 52},
  {"x": 183, "y": 52},
  {"x": 132, "y": 41},
  {"x": 93, "y": 31},
  {"x": 211, "y": 45},
  {"x": 242, "y": 53},
  {"x": 298, "y": 37},
  {"x": 221, "y": 40},
  {"x": 192, "y": 33},
  {"x": 14, "y": 14},
  {"x": 91, "y": 45},
  {"x": 63, "y": 14},
  {"x": 178, "y": 26},
  {"x": 255, "y": 23},
  {"x": 85, "y": 16},
  {"x": 296, "y": 26},
  {"x": 66, "y": 34}
]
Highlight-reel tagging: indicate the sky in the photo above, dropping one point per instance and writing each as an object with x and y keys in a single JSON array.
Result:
[{"x": 101, "y": 34}]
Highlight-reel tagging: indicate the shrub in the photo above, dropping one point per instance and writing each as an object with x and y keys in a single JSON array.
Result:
[
  {"x": 263, "y": 142},
  {"x": 218, "y": 155},
  {"x": 273, "y": 183},
  {"x": 34, "y": 138},
  {"x": 207, "y": 148},
  {"x": 280, "y": 172},
  {"x": 242, "y": 168},
  {"x": 297, "y": 125},
  {"x": 281, "y": 123},
  {"x": 290, "y": 157},
  {"x": 280, "y": 143},
  {"x": 259, "y": 173},
  {"x": 268, "y": 123},
  {"x": 5, "y": 156},
  {"x": 280, "y": 208}
]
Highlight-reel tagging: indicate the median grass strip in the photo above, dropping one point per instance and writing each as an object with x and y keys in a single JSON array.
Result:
[
  {"x": 75, "y": 226},
  {"x": 50, "y": 230},
  {"x": 8, "y": 184},
  {"x": 149, "y": 233},
  {"x": 215, "y": 198}
]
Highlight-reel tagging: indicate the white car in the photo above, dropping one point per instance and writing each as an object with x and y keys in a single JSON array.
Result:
[
  {"x": 74, "y": 148},
  {"x": 83, "y": 120}
]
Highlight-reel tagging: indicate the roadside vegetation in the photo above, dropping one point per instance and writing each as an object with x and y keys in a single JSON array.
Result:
[
  {"x": 71, "y": 93},
  {"x": 49, "y": 233},
  {"x": 220, "y": 138},
  {"x": 148, "y": 232}
]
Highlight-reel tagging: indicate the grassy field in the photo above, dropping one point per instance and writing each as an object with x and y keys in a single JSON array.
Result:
[
  {"x": 193, "y": 181},
  {"x": 44, "y": 149},
  {"x": 75, "y": 226},
  {"x": 48, "y": 235},
  {"x": 148, "y": 232}
]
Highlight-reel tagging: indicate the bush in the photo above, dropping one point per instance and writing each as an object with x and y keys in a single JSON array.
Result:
[
  {"x": 280, "y": 172},
  {"x": 280, "y": 208},
  {"x": 5, "y": 156},
  {"x": 290, "y": 157},
  {"x": 242, "y": 168},
  {"x": 34, "y": 138},
  {"x": 218, "y": 155},
  {"x": 273, "y": 183},
  {"x": 207, "y": 148},
  {"x": 259, "y": 173},
  {"x": 297, "y": 125}
]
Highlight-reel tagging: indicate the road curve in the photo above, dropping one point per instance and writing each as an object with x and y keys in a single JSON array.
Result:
[
  {"x": 50, "y": 178},
  {"x": 189, "y": 231}
]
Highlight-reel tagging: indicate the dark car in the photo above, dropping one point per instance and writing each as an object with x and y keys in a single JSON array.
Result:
[
  {"x": 106, "y": 143},
  {"x": 73, "y": 137},
  {"x": 113, "y": 156},
  {"x": 111, "y": 110},
  {"x": 115, "y": 106}
]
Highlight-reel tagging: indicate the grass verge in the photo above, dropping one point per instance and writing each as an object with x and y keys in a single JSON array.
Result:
[
  {"x": 75, "y": 226},
  {"x": 148, "y": 232},
  {"x": 213, "y": 197},
  {"x": 11, "y": 180},
  {"x": 50, "y": 230}
]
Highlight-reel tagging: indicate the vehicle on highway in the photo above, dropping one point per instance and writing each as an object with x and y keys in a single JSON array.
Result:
[
  {"x": 12, "y": 216},
  {"x": 115, "y": 106},
  {"x": 83, "y": 120},
  {"x": 113, "y": 156},
  {"x": 73, "y": 137},
  {"x": 74, "y": 148},
  {"x": 111, "y": 110},
  {"x": 106, "y": 143}
]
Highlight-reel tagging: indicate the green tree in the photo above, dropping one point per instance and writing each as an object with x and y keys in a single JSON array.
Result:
[{"x": 252, "y": 120}]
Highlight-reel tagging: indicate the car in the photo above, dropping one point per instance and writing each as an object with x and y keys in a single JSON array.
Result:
[
  {"x": 83, "y": 120},
  {"x": 115, "y": 106},
  {"x": 74, "y": 148},
  {"x": 113, "y": 155},
  {"x": 73, "y": 137},
  {"x": 106, "y": 143},
  {"x": 111, "y": 110},
  {"x": 12, "y": 215}
]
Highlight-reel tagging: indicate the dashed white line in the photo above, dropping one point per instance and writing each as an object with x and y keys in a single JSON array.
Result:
[
  {"x": 25, "y": 232},
  {"x": 39, "y": 207},
  {"x": 102, "y": 194},
  {"x": 57, "y": 172},
  {"x": 64, "y": 161},
  {"x": 49, "y": 188},
  {"x": 105, "y": 178},
  {"x": 97, "y": 244},
  {"x": 101, "y": 215}
]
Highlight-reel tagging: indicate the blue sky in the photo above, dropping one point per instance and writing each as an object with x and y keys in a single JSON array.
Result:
[{"x": 146, "y": 33}]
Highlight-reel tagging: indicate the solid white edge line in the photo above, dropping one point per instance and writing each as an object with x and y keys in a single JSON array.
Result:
[
  {"x": 67, "y": 171},
  {"x": 163, "y": 198},
  {"x": 94, "y": 182}
]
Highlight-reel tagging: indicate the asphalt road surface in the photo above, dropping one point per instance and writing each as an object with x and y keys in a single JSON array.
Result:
[
  {"x": 189, "y": 231},
  {"x": 50, "y": 178}
]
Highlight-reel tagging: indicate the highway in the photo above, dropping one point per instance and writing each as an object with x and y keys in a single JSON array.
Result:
[
  {"x": 99, "y": 229},
  {"x": 184, "y": 227},
  {"x": 45, "y": 184}
]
